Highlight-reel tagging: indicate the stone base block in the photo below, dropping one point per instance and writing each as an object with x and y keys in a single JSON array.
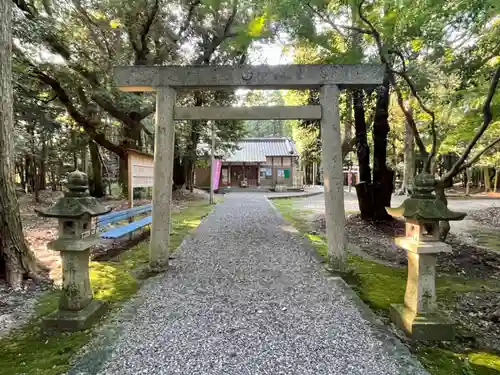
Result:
[
  {"x": 63, "y": 320},
  {"x": 429, "y": 327}
]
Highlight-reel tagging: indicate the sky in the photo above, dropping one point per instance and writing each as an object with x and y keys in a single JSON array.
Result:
[
  {"x": 266, "y": 53},
  {"x": 271, "y": 54}
]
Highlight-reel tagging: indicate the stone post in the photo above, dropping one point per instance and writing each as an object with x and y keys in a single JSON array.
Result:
[
  {"x": 163, "y": 174},
  {"x": 333, "y": 176},
  {"x": 314, "y": 174},
  {"x": 418, "y": 316},
  {"x": 212, "y": 163},
  {"x": 77, "y": 235}
]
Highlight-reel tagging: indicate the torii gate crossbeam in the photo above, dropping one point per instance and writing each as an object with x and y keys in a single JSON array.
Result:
[{"x": 167, "y": 80}]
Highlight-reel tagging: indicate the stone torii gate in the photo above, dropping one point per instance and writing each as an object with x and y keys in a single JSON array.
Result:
[{"x": 166, "y": 80}]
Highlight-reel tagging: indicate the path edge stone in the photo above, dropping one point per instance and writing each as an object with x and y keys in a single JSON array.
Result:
[
  {"x": 393, "y": 346},
  {"x": 307, "y": 244},
  {"x": 91, "y": 358},
  {"x": 290, "y": 196}
]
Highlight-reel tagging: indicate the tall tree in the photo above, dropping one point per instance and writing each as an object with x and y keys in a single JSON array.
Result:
[
  {"x": 15, "y": 256},
  {"x": 442, "y": 55},
  {"x": 106, "y": 33},
  {"x": 409, "y": 158},
  {"x": 314, "y": 23}
]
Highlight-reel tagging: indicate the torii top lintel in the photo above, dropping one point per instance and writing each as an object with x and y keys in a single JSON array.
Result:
[{"x": 149, "y": 78}]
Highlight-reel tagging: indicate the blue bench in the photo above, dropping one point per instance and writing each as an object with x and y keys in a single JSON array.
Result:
[{"x": 104, "y": 221}]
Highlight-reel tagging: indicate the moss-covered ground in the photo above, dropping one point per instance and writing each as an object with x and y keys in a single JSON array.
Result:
[
  {"x": 29, "y": 351},
  {"x": 379, "y": 286}
]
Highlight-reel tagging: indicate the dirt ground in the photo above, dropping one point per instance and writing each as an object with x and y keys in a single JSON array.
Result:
[
  {"x": 490, "y": 216},
  {"x": 478, "y": 311}
]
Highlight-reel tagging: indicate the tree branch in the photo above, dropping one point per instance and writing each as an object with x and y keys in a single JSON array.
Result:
[
  {"x": 336, "y": 26},
  {"x": 89, "y": 19},
  {"x": 149, "y": 21},
  {"x": 29, "y": 11},
  {"x": 487, "y": 118},
  {"x": 218, "y": 39},
  {"x": 187, "y": 21},
  {"x": 142, "y": 51},
  {"x": 385, "y": 60},
  {"x": 120, "y": 115},
  {"x": 348, "y": 146},
  {"x": 401, "y": 57},
  {"x": 414, "y": 92},
  {"x": 327, "y": 20},
  {"x": 88, "y": 124},
  {"x": 476, "y": 157}
]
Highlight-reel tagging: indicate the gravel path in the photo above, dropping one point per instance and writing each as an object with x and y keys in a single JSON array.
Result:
[{"x": 245, "y": 296}]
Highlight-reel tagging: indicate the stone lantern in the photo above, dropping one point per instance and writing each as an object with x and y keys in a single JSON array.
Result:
[
  {"x": 76, "y": 236},
  {"x": 419, "y": 317}
]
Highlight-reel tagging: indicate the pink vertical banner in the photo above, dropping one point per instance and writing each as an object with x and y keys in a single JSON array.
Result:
[{"x": 216, "y": 174}]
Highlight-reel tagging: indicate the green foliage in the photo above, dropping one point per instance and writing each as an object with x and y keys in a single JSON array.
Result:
[
  {"x": 266, "y": 128},
  {"x": 116, "y": 190},
  {"x": 29, "y": 351},
  {"x": 445, "y": 362},
  {"x": 70, "y": 85},
  {"x": 449, "y": 50}
]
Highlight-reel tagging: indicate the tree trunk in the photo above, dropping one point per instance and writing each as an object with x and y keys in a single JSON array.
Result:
[
  {"x": 190, "y": 175},
  {"x": 52, "y": 168},
  {"x": 362, "y": 148},
  {"x": 179, "y": 174},
  {"x": 382, "y": 176},
  {"x": 363, "y": 187},
  {"x": 187, "y": 168},
  {"x": 41, "y": 175},
  {"x": 394, "y": 161},
  {"x": 132, "y": 140},
  {"x": 348, "y": 117},
  {"x": 27, "y": 167},
  {"x": 487, "y": 179},
  {"x": 444, "y": 226},
  {"x": 496, "y": 179},
  {"x": 97, "y": 186},
  {"x": 36, "y": 182},
  {"x": 53, "y": 182},
  {"x": 123, "y": 174},
  {"x": 43, "y": 162},
  {"x": 468, "y": 181},
  {"x": 84, "y": 158},
  {"x": 409, "y": 159},
  {"x": 194, "y": 138},
  {"x": 22, "y": 176},
  {"x": 15, "y": 254}
]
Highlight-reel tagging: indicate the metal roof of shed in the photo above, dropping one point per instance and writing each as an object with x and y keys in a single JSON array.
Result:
[{"x": 254, "y": 150}]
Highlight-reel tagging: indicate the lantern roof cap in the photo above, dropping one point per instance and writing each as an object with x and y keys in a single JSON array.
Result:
[
  {"x": 76, "y": 201},
  {"x": 424, "y": 205}
]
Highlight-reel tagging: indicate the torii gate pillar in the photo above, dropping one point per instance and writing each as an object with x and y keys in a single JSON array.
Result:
[{"x": 330, "y": 79}]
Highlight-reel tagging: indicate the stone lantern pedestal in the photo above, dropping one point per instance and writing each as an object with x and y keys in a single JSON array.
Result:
[
  {"x": 418, "y": 316},
  {"x": 76, "y": 236}
]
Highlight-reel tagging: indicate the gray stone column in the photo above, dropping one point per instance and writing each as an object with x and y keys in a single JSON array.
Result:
[
  {"x": 76, "y": 289},
  {"x": 420, "y": 296},
  {"x": 163, "y": 174},
  {"x": 333, "y": 176}
]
